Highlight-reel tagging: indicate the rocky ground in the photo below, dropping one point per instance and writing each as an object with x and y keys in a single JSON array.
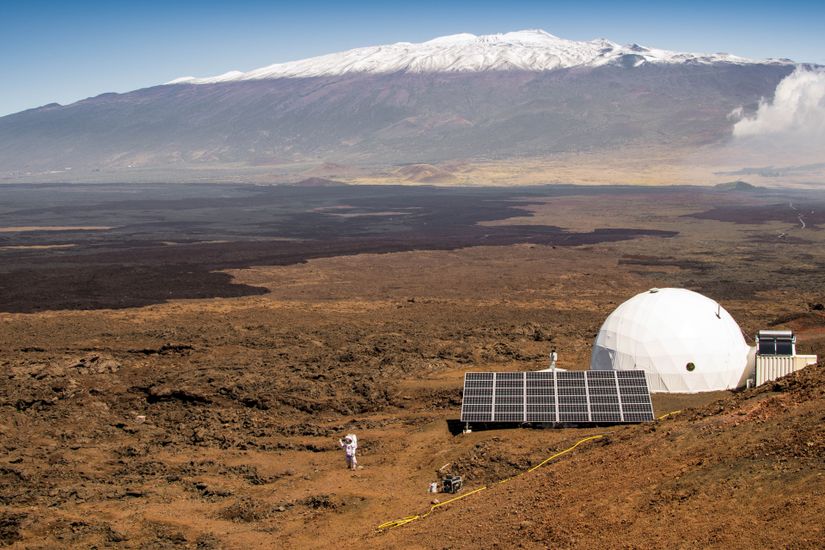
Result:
[{"x": 213, "y": 423}]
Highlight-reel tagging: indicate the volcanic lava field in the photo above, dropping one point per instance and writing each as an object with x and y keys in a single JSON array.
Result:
[{"x": 179, "y": 362}]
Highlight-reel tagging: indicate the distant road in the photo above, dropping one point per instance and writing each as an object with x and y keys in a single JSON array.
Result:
[{"x": 798, "y": 215}]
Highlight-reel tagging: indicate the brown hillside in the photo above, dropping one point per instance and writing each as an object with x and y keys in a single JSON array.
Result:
[
  {"x": 209, "y": 416},
  {"x": 744, "y": 472}
]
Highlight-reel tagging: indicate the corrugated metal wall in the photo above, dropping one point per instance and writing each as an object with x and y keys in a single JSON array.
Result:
[{"x": 771, "y": 367}]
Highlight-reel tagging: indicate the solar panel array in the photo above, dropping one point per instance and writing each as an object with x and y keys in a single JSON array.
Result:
[{"x": 556, "y": 397}]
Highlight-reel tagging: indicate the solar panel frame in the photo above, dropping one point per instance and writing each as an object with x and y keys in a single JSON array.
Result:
[{"x": 574, "y": 397}]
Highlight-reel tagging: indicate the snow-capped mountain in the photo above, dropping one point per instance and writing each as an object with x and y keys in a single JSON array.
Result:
[
  {"x": 505, "y": 96},
  {"x": 529, "y": 50}
]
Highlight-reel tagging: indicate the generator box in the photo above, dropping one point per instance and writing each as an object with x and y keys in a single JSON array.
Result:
[{"x": 451, "y": 484}]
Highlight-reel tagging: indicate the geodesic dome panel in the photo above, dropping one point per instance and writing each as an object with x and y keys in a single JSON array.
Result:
[{"x": 685, "y": 342}]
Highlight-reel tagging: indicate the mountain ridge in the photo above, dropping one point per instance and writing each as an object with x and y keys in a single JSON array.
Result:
[
  {"x": 366, "y": 126},
  {"x": 526, "y": 50}
]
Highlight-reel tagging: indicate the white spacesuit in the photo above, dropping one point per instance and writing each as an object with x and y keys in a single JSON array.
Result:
[{"x": 350, "y": 444}]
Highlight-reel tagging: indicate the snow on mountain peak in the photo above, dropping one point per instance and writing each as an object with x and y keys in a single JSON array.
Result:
[
  {"x": 450, "y": 39},
  {"x": 528, "y": 50}
]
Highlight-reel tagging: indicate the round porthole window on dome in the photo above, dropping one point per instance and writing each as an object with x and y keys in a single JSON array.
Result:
[{"x": 690, "y": 367}]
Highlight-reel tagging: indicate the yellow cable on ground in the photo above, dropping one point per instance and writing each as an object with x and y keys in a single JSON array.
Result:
[
  {"x": 668, "y": 414},
  {"x": 398, "y": 522},
  {"x": 548, "y": 459},
  {"x": 409, "y": 519},
  {"x": 434, "y": 506}
]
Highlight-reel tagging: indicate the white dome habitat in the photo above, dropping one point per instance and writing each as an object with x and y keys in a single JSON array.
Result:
[{"x": 685, "y": 342}]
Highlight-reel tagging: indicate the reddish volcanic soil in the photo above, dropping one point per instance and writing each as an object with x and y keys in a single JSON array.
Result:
[{"x": 213, "y": 422}]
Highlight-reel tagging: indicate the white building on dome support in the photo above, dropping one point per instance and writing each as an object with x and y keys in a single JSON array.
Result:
[{"x": 685, "y": 342}]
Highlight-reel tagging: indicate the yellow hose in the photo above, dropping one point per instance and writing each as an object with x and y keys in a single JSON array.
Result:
[
  {"x": 409, "y": 519},
  {"x": 548, "y": 459},
  {"x": 668, "y": 414}
]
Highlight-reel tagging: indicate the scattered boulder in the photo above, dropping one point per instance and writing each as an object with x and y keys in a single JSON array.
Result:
[
  {"x": 10, "y": 528},
  {"x": 246, "y": 510},
  {"x": 164, "y": 392},
  {"x": 319, "y": 501},
  {"x": 95, "y": 364}
]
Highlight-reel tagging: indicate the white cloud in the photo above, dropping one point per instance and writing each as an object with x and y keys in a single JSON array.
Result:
[{"x": 796, "y": 116}]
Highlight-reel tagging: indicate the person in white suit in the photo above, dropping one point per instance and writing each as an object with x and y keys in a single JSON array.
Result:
[{"x": 350, "y": 445}]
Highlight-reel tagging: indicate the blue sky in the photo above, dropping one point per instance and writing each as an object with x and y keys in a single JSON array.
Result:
[{"x": 64, "y": 51}]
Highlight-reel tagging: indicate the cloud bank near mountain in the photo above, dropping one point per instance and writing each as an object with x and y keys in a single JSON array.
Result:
[
  {"x": 793, "y": 122},
  {"x": 782, "y": 140}
]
